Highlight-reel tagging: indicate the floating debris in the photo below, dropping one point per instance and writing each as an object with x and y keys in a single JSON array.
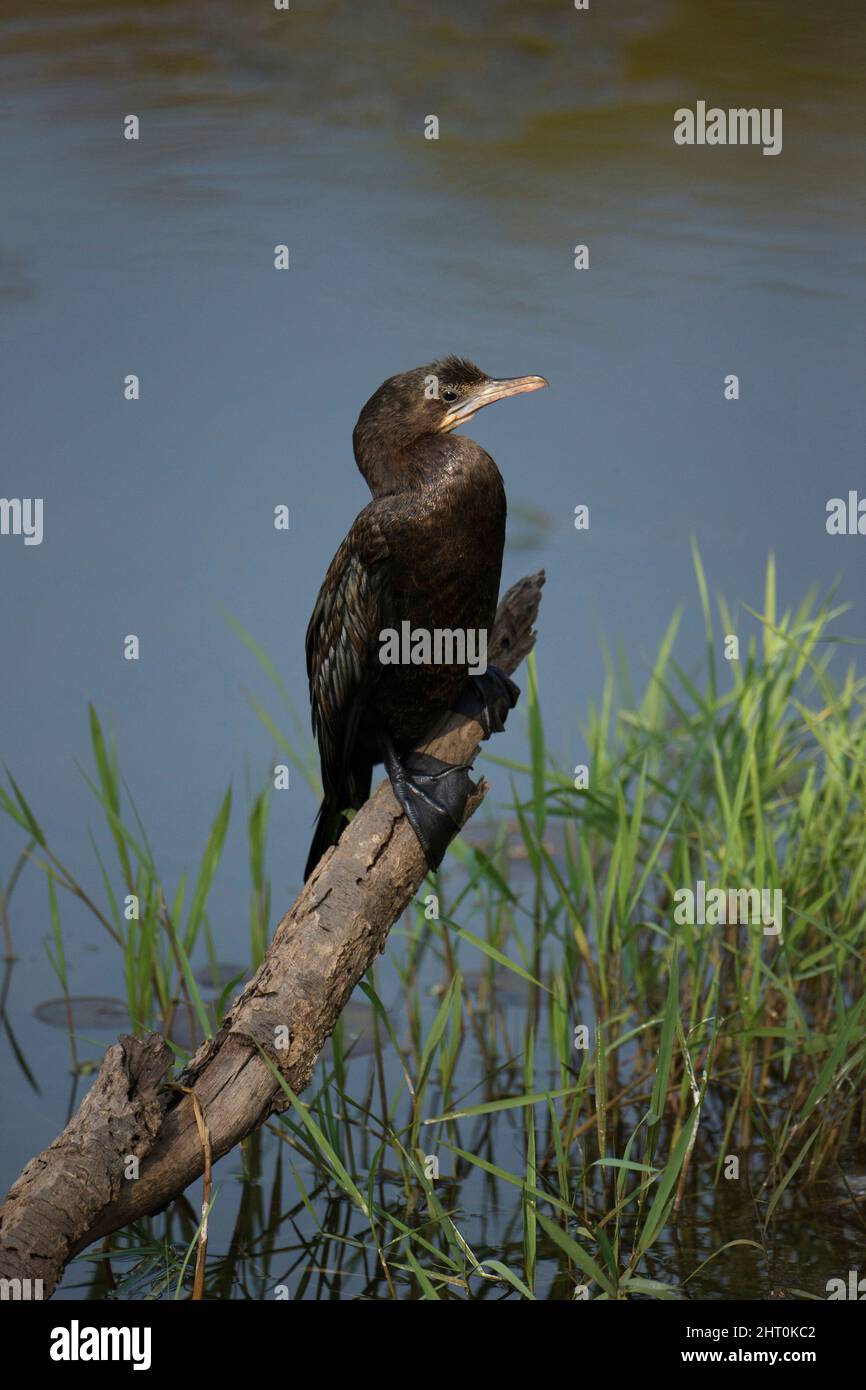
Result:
[{"x": 87, "y": 1011}]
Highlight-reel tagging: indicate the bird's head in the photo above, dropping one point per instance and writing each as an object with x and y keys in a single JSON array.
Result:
[{"x": 427, "y": 401}]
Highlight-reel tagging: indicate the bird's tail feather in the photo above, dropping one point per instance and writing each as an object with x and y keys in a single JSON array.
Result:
[
  {"x": 332, "y": 820},
  {"x": 329, "y": 827}
]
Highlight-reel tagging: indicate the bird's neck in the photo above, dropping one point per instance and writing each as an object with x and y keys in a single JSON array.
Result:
[
  {"x": 377, "y": 455},
  {"x": 392, "y": 465}
]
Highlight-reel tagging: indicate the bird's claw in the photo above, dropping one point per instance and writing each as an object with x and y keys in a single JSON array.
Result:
[
  {"x": 433, "y": 794},
  {"x": 489, "y": 698}
]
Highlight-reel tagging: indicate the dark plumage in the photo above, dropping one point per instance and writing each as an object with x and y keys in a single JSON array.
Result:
[{"x": 427, "y": 549}]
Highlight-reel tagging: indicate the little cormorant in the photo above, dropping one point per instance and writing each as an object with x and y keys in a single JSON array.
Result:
[{"x": 428, "y": 551}]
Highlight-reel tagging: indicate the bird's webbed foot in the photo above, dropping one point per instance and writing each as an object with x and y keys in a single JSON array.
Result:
[
  {"x": 488, "y": 698},
  {"x": 433, "y": 794}
]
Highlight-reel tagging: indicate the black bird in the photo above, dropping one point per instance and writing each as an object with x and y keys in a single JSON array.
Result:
[{"x": 428, "y": 551}]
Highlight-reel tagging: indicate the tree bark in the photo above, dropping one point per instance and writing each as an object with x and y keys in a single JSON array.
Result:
[{"x": 77, "y": 1189}]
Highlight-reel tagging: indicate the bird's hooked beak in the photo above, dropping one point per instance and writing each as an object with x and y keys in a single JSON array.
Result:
[{"x": 488, "y": 393}]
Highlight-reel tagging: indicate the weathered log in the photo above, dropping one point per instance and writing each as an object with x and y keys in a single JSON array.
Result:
[{"x": 77, "y": 1189}]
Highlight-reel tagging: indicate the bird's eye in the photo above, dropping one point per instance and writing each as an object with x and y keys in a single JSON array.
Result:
[{"x": 449, "y": 395}]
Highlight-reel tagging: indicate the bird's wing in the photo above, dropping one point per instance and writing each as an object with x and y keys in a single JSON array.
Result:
[{"x": 343, "y": 640}]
